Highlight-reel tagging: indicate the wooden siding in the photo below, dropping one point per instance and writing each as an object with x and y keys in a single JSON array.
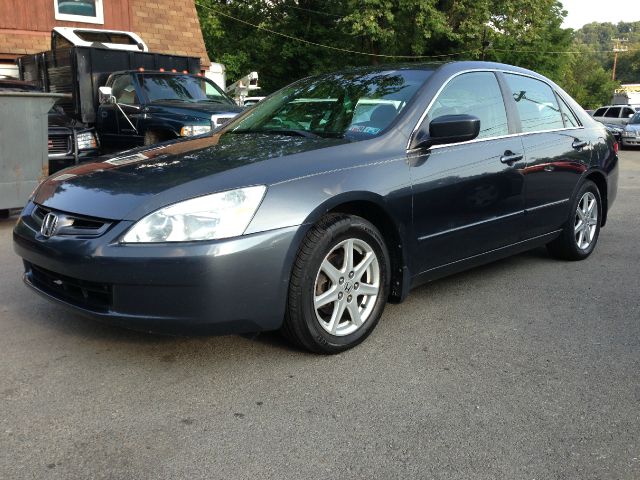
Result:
[
  {"x": 39, "y": 16},
  {"x": 167, "y": 26}
]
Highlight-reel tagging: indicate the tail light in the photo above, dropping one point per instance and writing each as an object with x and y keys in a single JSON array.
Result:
[{"x": 615, "y": 146}]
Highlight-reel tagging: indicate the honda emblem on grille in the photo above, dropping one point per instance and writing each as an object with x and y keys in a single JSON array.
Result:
[{"x": 49, "y": 224}]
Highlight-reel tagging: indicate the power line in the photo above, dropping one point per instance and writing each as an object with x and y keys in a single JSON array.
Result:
[{"x": 345, "y": 50}]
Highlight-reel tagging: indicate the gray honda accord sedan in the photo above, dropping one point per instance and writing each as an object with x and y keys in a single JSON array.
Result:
[{"x": 310, "y": 211}]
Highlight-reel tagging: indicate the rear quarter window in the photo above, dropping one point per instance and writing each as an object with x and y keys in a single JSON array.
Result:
[{"x": 600, "y": 112}]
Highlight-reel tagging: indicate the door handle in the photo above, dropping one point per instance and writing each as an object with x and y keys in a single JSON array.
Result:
[
  {"x": 509, "y": 157},
  {"x": 578, "y": 144}
]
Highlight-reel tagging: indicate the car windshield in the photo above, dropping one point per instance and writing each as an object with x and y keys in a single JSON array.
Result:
[
  {"x": 181, "y": 88},
  {"x": 352, "y": 105},
  {"x": 635, "y": 118}
]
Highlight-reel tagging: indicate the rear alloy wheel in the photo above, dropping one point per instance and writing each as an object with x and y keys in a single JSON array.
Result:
[
  {"x": 339, "y": 285},
  {"x": 580, "y": 232}
]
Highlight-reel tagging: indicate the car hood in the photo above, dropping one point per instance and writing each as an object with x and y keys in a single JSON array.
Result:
[
  {"x": 632, "y": 127},
  {"x": 134, "y": 183},
  {"x": 193, "y": 110}
]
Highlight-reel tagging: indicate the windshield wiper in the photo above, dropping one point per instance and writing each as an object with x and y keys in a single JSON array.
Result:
[
  {"x": 184, "y": 100},
  {"x": 213, "y": 100},
  {"x": 290, "y": 132}
]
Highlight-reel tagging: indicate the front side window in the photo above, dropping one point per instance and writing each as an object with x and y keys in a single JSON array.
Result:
[
  {"x": 163, "y": 87},
  {"x": 613, "y": 112},
  {"x": 86, "y": 11},
  {"x": 355, "y": 106},
  {"x": 536, "y": 103},
  {"x": 626, "y": 112},
  {"x": 477, "y": 94},
  {"x": 124, "y": 91}
]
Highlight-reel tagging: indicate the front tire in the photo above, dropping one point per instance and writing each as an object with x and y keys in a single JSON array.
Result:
[
  {"x": 581, "y": 230},
  {"x": 339, "y": 285}
]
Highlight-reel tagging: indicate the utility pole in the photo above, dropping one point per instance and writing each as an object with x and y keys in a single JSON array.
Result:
[{"x": 617, "y": 47}]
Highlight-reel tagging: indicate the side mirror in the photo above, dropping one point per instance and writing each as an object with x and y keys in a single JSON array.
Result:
[
  {"x": 105, "y": 95},
  {"x": 630, "y": 115},
  {"x": 448, "y": 129}
]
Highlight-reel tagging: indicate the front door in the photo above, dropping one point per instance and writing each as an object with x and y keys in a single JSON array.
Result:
[
  {"x": 468, "y": 197},
  {"x": 118, "y": 123}
]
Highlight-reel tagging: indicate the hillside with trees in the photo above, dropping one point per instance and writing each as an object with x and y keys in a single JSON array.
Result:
[{"x": 288, "y": 39}]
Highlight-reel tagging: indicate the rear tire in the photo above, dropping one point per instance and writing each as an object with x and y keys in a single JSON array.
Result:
[
  {"x": 581, "y": 230},
  {"x": 339, "y": 285}
]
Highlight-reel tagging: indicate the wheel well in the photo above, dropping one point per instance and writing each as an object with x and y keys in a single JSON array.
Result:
[
  {"x": 380, "y": 218},
  {"x": 601, "y": 183},
  {"x": 161, "y": 134}
]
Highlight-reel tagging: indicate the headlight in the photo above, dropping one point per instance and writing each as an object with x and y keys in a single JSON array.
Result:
[
  {"x": 220, "y": 215},
  {"x": 86, "y": 141},
  {"x": 191, "y": 130}
]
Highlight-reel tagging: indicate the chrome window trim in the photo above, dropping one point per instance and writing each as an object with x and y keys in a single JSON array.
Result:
[
  {"x": 511, "y": 135},
  {"x": 493, "y": 70}
]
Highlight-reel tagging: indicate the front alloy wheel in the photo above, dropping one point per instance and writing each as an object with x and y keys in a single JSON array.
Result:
[
  {"x": 347, "y": 287},
  {"x": 339, "y": 285}
]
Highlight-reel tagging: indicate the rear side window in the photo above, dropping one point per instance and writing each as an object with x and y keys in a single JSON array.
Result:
[
  {"x": 536, "y": 104},
  {"x": 600, "y": 112},
  {"x": 569, "y": 118},
  {"x": 478, "y": 94},
  {"x": 613, "y": 112}
]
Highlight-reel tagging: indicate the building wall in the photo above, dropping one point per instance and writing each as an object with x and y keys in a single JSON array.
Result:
[{"x": 167, "y": 26}]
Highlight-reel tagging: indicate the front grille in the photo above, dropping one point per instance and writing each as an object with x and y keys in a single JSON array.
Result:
[
  {"x": 222, "y": 120},
  {"x": 59, "y": 144},
  {"x": 71, "y": 224},
  {"x": 91, "y": 295}
]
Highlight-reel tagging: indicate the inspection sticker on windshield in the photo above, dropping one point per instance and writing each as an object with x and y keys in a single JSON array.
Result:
[{"x": 363, "y": 129}]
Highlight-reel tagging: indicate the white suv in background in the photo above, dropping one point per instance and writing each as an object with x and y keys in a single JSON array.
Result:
[{"x": 615, "y": 114}]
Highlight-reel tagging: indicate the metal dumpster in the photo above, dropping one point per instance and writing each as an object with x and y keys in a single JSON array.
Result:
[{"x": 23, "y": 144}]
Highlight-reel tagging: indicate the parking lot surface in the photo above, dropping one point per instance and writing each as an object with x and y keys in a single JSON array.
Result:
[{"x": 528, "y": 368}]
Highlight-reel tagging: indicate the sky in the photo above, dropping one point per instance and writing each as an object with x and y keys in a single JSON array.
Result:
[{"x": 587, "y": 11}]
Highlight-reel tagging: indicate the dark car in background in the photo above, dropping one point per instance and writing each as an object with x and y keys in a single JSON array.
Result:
[
  {"x": 146, "y": 107},
  {"x": 68, "y": 141},
  {"x": 314, "y": 208}
]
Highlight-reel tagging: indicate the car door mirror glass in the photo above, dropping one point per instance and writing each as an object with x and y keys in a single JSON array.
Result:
[{"x": 105, "y": 95}]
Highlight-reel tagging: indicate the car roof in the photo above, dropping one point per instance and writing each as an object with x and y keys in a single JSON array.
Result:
[
  {"x": 452, "y": 66},
  {"x": 155, "y": 72}
]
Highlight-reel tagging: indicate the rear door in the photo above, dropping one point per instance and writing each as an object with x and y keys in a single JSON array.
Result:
[{"x": 557, "y": 151}]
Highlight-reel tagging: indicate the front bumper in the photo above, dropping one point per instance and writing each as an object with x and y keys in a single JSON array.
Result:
[
  {"x": 225, "y": 286},
  {"x": 631, "y": 141}
]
